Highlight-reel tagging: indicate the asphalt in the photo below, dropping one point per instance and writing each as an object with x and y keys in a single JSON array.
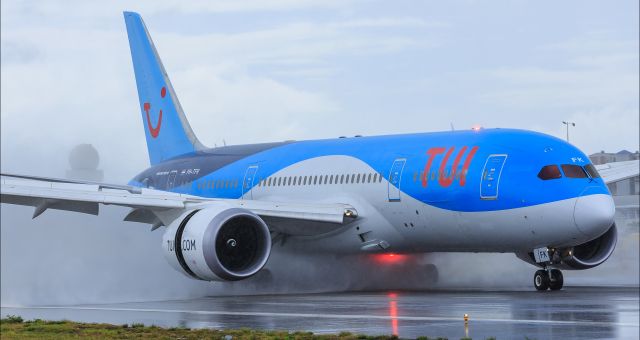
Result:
[{"x": 573, "y": 313}]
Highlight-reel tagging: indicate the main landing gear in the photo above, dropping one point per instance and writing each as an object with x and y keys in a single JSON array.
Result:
[{"x": 548, "y": 279}]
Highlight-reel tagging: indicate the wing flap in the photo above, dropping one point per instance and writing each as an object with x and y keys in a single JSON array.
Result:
[
  {"x": 32, "y": 192},
  {"x": 161, "y": 207}
]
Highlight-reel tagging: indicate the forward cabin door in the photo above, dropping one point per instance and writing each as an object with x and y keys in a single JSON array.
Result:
[
  {"x": 247, "y": 183},
  {"x": 395, "y": 175},
  {"x": 491, "y": 177}
]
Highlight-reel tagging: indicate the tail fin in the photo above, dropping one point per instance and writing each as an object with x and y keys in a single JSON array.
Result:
[{"x": 167, "y": 130}]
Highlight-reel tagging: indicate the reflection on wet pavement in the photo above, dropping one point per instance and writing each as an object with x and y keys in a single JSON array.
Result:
[{"x": 575, "y": 312}]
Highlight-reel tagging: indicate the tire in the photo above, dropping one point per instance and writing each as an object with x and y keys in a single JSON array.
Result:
[
  {"x": 541, "y": 280},
  {"x": 557, "y": 280}
]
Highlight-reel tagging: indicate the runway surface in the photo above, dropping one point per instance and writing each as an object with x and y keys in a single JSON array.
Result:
[{"x": 573, "y": 313}]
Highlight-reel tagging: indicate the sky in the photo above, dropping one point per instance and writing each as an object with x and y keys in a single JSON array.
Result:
[
  {"x": 273, "y": 70},
  {"x": 261, "y": 71}
]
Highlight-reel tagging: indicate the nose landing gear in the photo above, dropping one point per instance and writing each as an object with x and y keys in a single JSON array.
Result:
[
  {"x": 545, "y": 279},
  {"x": 541, "y": 280},
  {"x": 556, "y": 280}
]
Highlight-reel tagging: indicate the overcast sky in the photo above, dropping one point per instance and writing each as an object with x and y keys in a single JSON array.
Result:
[{"x": 270, "y": 70}]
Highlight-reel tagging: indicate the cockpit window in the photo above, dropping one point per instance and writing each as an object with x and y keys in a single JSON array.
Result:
[
  {"x": 549, "y": 172},
  {"x": 573, "y": 171},
  {"x": 591, "y": 170}
]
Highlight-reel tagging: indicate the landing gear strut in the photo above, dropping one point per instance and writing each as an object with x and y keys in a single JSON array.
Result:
[{"x": 545, "y": 279}]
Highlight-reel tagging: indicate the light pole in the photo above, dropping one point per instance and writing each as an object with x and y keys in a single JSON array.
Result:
[{"x": 567, "y": 124}]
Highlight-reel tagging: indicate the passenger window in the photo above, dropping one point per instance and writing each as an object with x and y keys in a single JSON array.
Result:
[
  {"x": 549, "y": 172},
  {"x": 591, "y": 170},
  {"x": 369, "y": 178},
  {"x": 331, "y": 179},
  {"x": 341, "y": 179},
  {"x": 289, "y": 181},
  {"x": 353, "y": 178},
  {"x": 573, "y": 171},
  {"x": 358, "y": 179}
]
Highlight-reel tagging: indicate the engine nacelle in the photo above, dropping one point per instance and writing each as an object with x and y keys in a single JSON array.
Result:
[
  {"x": 583, "y": 256},
  {"x": 592, "y": 253},
  {"x": 220, "y": 243}
]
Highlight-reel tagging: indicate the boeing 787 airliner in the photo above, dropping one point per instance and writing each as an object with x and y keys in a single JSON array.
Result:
[{"x": 223, "y": 209}]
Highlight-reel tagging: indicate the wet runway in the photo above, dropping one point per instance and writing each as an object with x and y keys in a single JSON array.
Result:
[{"x": 575, "y": 312}]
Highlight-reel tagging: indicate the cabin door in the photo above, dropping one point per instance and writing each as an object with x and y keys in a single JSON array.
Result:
[
  {"x": 395, "y": 175},
  {"x": 491, "y": 177},
  {"x": 247, "y": 183}
]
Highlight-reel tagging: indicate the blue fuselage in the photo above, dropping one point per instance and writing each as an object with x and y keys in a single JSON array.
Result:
[{"x": 483, "y": 170}]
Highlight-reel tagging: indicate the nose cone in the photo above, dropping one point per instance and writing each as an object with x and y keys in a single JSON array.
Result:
[{"x": 593, "y": 213}]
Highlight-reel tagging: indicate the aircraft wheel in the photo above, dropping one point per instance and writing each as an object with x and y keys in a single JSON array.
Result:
[
  {"x": 541, "y": 280},
  {"x": 557, "y": 280}
]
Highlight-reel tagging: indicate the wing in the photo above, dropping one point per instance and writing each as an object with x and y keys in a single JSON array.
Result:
[
  {"x": 161, "y": 207},
  {"x": 618, "y": 171}
]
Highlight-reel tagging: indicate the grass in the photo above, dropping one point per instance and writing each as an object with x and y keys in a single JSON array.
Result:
[{"x": 14, "y": 327}]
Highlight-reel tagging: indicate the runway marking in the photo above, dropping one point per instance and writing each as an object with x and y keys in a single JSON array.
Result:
[{"x": 333, "y": 316}]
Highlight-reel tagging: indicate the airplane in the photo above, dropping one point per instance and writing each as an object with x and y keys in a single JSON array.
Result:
[{"x": 224, "y": 209}]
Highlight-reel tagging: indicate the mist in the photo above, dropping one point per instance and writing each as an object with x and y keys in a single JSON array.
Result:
[{"x": 69, "y": 258}]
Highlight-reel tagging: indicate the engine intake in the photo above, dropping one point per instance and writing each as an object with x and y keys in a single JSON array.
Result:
[
  {"x": 583, "y": 256},
  {"x": 221, "y": 243},
  {"x": 592, "y": 253}
]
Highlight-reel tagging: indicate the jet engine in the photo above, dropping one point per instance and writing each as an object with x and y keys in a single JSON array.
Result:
[
  {"x": 217, "y": 243},
  {"x": 592, "y": 253},
  {"x": 583, "y": 256}
]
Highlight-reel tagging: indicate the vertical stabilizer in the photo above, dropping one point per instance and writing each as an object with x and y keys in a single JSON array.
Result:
[{"x": 166, "y": 128}]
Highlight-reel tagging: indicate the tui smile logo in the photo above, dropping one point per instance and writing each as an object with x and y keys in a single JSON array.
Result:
[{"x": 147, "y": 107}]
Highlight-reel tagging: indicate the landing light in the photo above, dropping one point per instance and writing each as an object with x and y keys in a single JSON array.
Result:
[{"x": 476, "y": 128}]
